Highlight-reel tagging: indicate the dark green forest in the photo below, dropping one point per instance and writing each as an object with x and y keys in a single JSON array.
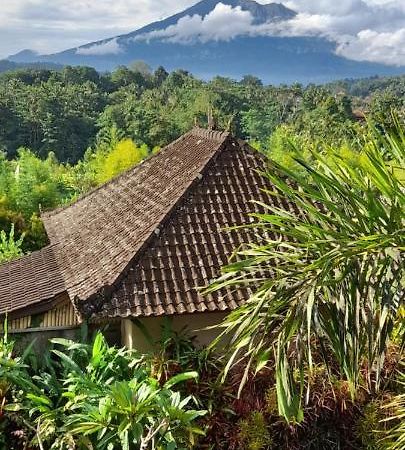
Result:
[
  {"x": 68, "y": 111},
  {"x": 63, "y": 132}
]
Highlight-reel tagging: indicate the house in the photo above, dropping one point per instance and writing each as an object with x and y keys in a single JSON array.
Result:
[{"x": 140, "y": 246}]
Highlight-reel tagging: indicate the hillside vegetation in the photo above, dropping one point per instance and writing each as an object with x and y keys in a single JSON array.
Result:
[{"x": 65, "y": 132}]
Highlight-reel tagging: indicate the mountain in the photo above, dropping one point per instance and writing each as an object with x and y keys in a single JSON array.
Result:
[
  {"x": 202, "y": 40},
  {"x": 24, "y": 56}
]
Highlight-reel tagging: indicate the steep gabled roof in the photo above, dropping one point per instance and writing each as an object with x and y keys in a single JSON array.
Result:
[
  {"x": 143, "y": 243},
  {"x": 193, "y": 244},
  {"x": 98, "y": 236}
]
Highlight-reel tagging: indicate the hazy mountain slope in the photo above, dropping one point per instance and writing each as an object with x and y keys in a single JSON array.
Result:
[{"x": 274, "y": 59}]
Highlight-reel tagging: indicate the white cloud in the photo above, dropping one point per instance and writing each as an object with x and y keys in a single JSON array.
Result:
[
  {"x": 352, "y": 16},
  {"x": 221, "y": 24},
  {"x": 50, "y": 26},
  {"x": 111, "y": 47},
  {"x": 363, "y": 32},
  {"x": 369, "y": 45},
  {"x": 303, "y": 24},
  {"x": 225, "y": 23},
  {"x": 367, "y": 31},
  {"x": 335, "y": 8},
  {"x": 366, "y": 39}
]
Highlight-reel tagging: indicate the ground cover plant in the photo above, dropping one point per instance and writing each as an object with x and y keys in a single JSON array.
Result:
[{"x": 54, "y": 405}]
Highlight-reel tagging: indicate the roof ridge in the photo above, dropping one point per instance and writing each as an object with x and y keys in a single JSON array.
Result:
[
  {"x": 196, "y": 131},
  {"x": 209, "y": 134}
]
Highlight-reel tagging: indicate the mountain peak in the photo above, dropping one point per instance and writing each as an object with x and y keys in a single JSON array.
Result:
[
  {"x": 222, "y": 37},
  {"x": 25, "y": 55},
  {"x": 261, "y": 13}
]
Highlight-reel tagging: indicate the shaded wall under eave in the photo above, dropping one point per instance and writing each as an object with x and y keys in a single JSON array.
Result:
[
  {"x": 59, "y": 322},
  {"x": 192, "y": 324},
  {"x": 61, "y": 316}
]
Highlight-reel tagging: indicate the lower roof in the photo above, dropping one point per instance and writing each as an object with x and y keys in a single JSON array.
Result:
[{"x": 31, "y": 283}]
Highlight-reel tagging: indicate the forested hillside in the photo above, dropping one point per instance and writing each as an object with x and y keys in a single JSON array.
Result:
[
  {"x": 364, "y": 87},
  {"x": 6, "y": 66},
  {"x": 68, "y": 111},
  {"x": 64, "y": 132}
]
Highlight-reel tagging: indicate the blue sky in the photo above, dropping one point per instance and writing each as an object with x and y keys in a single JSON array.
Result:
[{"x": 364, "y": 29}]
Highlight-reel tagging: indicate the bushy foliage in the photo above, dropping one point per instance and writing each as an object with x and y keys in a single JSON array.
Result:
[
  {"x": 369, "y": 428},
  {"x": 29, "y": 184},
  {"x": 68, "y": 398},
  {"x": 123, "y": 156},
  {"x": 93, "y": 396},
  {"x": 285, "y": 145},
  {"x": 254, "y": 434},
  {"x": 9, "y": 247}
]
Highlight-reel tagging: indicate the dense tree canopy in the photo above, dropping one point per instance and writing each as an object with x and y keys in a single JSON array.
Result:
[
  {"x": 64, "y": 132},
  {"x": 65, "y": 111}
]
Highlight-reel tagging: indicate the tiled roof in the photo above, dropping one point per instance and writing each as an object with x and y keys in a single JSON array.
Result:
[
  {"x": 30, "y": 281},
  {"x": 143, "y": 243},
  {"x": 193, "y": 244},
  {"x": 99, "y": 235}
]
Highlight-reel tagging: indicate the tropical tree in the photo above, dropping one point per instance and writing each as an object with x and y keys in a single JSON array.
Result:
[
  {"x": 122, "y": 157},
  {"x": 328, "y": 279}
]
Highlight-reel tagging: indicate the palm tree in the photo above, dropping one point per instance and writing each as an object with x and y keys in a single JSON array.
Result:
[{"x": 329, "y": 282}]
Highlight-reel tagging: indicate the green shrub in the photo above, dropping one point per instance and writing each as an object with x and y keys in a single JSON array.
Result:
[
  {"x": 254, "y": 433},
  {"x": 10, "y": 248},
  {"x": 369, "y": 427},
  {"x": 96, "y": 396}
]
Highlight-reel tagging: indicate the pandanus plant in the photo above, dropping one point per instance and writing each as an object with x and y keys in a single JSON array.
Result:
[{"x": 328, "y": 279}]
